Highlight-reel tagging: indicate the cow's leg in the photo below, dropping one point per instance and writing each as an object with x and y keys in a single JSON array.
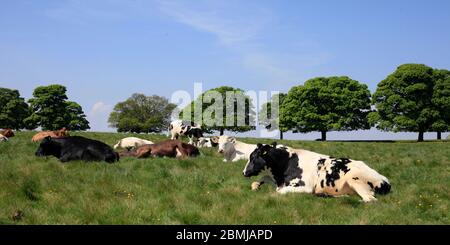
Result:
[
  {"x": 296, "y": 189},
  {"x": 265, "y": 179},
  {"x": 363, "y": 190}
]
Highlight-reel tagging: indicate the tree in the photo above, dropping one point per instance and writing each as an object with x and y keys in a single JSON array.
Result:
[
  {"x": 222, "y": 108},
  {"x": 441, "y": 100},
  {"x": 141, "y": 113},
  {"x": 265, "y": 114},
  {"x": 13, "y": 110},
  {"x": 326, "y": 103},
  {"x": 52, "y": 111},
  {"x": 404, "y": 101}
]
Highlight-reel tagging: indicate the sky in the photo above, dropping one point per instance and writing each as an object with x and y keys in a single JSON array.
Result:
[{"x": 105, "y": 50}]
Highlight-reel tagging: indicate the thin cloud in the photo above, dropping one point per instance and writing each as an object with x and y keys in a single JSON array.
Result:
[{"x": 212, "y": 18}]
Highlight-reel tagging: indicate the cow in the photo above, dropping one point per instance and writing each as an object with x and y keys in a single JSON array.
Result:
[
  {"x": 234, "y": 150},
  {"x": 8, "y": 133},
  {"x": 208, "y": 142},
  {"x": 168, "y": 148},
  {"x": 186, "y": 128},
  {"x": 76, "y": 148},
  {"x": 302, "y": 171},
  {"x": 131, "y": 143},
  {"x": 54, "y": 134}
]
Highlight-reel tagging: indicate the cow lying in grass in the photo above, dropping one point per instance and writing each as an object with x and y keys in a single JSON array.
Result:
[
  {"x": 234, "y": 150},
  {"x": 76, "y": 148},
  {"x": 295, "y": 170},
  {"x": 54, "y": 134},
  {"x": 168, "y": 148},
  {"x": 131, "y": 143}
]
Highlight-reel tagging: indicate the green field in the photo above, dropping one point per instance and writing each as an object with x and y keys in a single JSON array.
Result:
[{"x": 205, "y": 190}]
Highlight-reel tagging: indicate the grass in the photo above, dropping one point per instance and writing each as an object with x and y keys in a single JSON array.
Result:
[{"x": 205, "y": 190}]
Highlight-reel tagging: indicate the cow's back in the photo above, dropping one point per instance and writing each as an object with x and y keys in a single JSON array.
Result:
[{"x": 87, "y": 149}]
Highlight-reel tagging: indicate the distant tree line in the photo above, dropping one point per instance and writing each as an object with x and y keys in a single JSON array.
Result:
[
  {"x": 414, "y": 98},
  {"x": 49, "y": 109}
]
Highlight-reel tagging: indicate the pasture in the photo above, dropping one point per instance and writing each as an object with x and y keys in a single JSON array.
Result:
[{"x": 205, "y": 190}]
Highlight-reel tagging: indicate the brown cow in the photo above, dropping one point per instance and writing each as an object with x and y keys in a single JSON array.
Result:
[
  {"x": 8, "y": 133},
  {"x": 54, "y": 134},
  {"x": 168, "y": 148}
]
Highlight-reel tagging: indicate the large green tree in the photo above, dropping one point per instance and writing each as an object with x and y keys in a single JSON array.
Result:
[
  {"x": 266, "y": 118},
  {"x": 326, "y": 104},
  {"x": 52, "y": 111},
  {"x": 13, "y": 110},
  {"x": 404, "y": 101},
  {"x": 441, "y": 101},
  {"x": 222, "y": 108},
  {"x": 141, "y": 113}
]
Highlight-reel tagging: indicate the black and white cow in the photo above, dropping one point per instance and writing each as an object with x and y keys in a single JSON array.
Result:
[
  {"x": 76, "y": 148},
  {"x": 189, "y": 129},
  {"x": 296, "y": 170},
  {"x": 208, "y": 142}
]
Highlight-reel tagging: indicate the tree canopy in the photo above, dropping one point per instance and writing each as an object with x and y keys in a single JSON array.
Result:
[
  {"x": 13, "y": 109},
  {"x": 223, "y": 108},
  {"x": 404, "y": 100},
  {"x": 52, "y": 111},
  {"x": 441, "y": 100},
  {"x": 141, "y": 113},
  {"x": 326, "y": 104}
]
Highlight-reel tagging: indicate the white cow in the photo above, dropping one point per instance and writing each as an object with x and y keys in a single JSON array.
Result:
[
  {"x": 131, "y": 143},
  {"x": 302, "y": 171},
  {"x": 234, "y": 150}
]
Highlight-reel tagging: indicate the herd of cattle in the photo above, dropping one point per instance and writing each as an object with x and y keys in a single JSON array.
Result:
[{"x": 291, "y": 170}]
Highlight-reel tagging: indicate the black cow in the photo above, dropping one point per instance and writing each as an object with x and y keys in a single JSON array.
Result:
[{"x": 77, "y": 148}]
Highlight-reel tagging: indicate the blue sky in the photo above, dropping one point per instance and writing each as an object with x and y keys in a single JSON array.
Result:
[{"x": 104, "y": 51}]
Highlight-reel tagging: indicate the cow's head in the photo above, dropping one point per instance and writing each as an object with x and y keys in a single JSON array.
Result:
[
  {"x": 48, "y": 147},
  {"x": 226, "y": 143},
  {"x": 258, "y": 160},
  {"x": 195, "y": 132}
]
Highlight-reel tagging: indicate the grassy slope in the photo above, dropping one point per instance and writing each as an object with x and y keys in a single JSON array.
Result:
[{"x": 207, "y": 191}]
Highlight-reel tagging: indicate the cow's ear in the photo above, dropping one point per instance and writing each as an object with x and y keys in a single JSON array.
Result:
[
  {"x": 274, "y": 144},
  {"x": 259, "y": 145}
]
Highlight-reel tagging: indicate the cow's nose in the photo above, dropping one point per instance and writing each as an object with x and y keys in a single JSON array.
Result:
[{"x": 220, "y": 151}]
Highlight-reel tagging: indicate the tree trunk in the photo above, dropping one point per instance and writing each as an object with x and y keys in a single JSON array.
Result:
[
  {"x": 324, "y": 136},
  {"x": 439, "y": 136},
  {"x": 281, "y": 135},
  {"x": 420, "y": 139},
  {"x": 221, "y": 131}
]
